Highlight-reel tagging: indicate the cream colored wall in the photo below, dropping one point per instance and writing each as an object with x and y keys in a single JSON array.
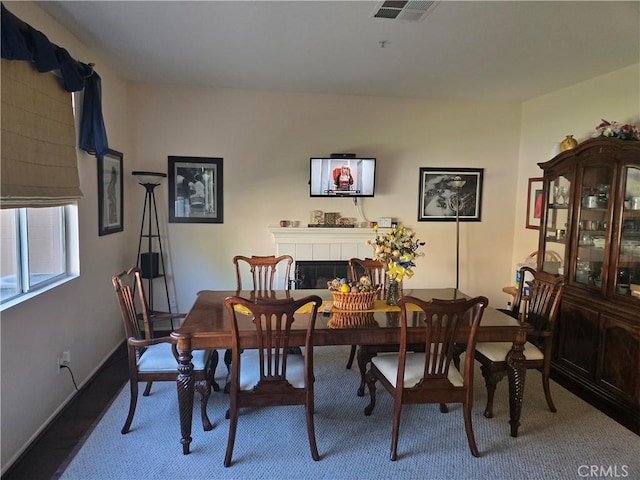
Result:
[
  {"x": 266, "y": 140},
  {"x": 576, "y": 111},
  {"x": 81, "y": 315}
]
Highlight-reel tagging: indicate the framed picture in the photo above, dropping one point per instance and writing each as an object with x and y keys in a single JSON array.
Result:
[
  {"x": 534, "y": 203},
  {"x": 195, "y": 190},
  {"x": 110, "y": 196},
  {"x": 443, "y": 191}
]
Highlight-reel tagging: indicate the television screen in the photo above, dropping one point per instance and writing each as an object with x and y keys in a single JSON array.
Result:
[{"x": 342, "y": 177}]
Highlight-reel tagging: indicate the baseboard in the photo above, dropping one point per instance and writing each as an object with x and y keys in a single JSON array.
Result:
[{"x": 56, "y": 414}]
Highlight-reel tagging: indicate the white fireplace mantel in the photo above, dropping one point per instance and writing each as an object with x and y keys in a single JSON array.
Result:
[
  {"x": 321, "y": 244},
  {"x": 321, "y": 235},
  {"x": 304, "y": 243}
]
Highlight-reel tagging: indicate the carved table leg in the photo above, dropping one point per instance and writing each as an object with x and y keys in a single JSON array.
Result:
[
  {"x": 185, "y": 384},
  {"x": 516, "y": 372},
  {"x": 363, "y": 356}
]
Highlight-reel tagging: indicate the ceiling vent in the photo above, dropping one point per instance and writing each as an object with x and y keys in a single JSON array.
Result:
[{"x": 403, "y": 10}]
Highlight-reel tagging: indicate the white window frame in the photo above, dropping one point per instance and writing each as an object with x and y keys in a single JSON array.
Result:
[{"x": 71, "y": 253}]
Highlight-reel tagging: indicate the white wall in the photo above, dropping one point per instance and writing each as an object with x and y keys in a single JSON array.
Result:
[
  {"x": 82, "y": 315},
  {"x": 266, "y": 140}
]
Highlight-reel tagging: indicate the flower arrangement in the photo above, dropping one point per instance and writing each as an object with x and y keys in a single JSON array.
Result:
[
  {"x": 397, "y": 249},
  {"x": 618, "y": 130}
]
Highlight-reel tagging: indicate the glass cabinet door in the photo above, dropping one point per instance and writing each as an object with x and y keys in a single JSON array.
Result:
[
  {"x": 556, "y": 227},
  {"x": 592, "y": 233},
  {"x": 627, "y": 281}
]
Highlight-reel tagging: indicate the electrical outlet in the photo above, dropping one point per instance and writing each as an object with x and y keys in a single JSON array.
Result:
[{"x": 64, "y": 359}]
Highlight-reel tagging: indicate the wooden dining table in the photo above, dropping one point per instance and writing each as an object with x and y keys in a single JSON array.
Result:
[{"x": 207, "y": 326}]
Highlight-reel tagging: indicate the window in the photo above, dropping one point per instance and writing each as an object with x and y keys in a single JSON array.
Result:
[{"x": 37, "y": 250}]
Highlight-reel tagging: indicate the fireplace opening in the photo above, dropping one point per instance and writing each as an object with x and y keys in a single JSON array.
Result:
[{"x": 316, "y": 273}]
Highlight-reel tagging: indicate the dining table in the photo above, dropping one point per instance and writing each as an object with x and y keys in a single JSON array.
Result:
[{"x": 207, "y": 326}]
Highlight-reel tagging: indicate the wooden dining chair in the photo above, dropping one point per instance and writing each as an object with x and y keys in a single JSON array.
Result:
[
  {"x": 259, "y": 274},
  {"x": 413, "y": 377},
  {"x": 537, "y": 302},
  {"x": 155, "y": 359},
  {"x": 262, "y": 270},
  {"x": 269, "y": 375},
  {"x": 376, "y": 271}
]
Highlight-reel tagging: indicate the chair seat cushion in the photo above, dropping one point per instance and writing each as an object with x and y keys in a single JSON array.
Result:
[
  {"x": 159, "y": 358},
  {"x": 497, "y": 351},
  {"x": 413, "y": 370},
  {"x": 250, "y": 369}
]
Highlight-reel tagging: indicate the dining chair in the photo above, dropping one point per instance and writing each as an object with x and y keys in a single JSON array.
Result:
[
  {"x": 261, "y": 269},
  {"x": 414, "y": 378},
  {"x": 537, "y": 302},
  {"x": 155, "y": 359},
  {"x": 376, "y": 271},
  {"x": 270, "y": 375}
]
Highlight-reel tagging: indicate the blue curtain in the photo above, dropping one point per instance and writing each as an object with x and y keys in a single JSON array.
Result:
[{"x": 20, "y": 41}]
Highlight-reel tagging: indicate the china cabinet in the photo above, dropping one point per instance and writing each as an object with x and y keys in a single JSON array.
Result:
[{"x": 591, "y": 220}]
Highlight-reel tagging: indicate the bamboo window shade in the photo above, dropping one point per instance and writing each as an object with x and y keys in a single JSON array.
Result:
[{"x": 39, "y": 163}]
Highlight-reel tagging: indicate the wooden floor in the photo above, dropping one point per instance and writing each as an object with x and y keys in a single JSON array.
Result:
[{"x": 47, "y": 458}]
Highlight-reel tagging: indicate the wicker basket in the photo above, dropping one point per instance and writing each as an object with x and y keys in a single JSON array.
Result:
[
  {"x": 352, "y": 319},
  {"x": 354, "y": 301}
]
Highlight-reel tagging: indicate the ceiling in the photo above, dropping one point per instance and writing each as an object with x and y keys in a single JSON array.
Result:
[{"x": 487, "y": 51}]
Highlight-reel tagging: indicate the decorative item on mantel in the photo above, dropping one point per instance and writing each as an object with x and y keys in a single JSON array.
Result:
[
  {"x": 618, "y": 130},
  {"x": 322, "y": 219},
  {"x": 568, "y": 143},
  {"x": 397, "y": 249}
]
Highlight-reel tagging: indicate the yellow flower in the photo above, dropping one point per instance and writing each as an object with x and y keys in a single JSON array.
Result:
[{"x": 397, "y": 249}]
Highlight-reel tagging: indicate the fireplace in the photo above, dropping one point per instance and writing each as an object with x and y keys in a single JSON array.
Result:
[
  {"x": 316, "y": 273},
  {"x": 322, "y": 246}
]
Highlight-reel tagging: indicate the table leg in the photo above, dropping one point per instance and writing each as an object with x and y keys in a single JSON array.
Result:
[
  {"x": 516, "y": 372},
  {"x": 185, "y": 384}
]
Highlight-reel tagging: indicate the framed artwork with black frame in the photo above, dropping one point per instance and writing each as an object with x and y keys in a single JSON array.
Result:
[
  {"x": 110, "y": 193},
  {"x": 195, "y": 190},
  {"x": 443, "y": 190},
  {"x": 534, "y": 203}
]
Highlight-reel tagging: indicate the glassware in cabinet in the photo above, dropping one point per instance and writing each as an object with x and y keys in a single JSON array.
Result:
[
  {"x": 593, "y": 225},
  {"x": 556, "y": 226},
  {"x": 627, "y": 281}
]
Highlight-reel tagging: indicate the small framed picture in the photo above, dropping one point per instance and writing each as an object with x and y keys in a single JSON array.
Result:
[
  {"x": 195, "y": 190},
  {"x": 443, "y": 192},
  {"x": 110, "y": 193},
  {"x": 534, "y": 203}
]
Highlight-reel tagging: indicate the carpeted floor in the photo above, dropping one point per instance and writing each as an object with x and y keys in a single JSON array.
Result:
[{"x": 576, "y": 442}]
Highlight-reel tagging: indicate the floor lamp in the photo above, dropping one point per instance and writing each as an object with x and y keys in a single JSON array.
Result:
[
  {"x": 457, "y": 183},
  {"x": 150, "y": 261}
]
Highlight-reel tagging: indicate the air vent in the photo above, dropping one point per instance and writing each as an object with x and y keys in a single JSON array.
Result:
[{"x": 403, "y": 10}]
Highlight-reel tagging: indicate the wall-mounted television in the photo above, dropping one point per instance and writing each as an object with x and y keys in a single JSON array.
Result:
[{"x": 342, "y": 177}]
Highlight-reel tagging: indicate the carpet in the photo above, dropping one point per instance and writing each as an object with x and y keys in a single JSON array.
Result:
[{"x": 576, "y": 442}]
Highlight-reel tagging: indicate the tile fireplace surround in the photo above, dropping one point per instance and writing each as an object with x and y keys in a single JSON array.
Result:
[{"x": 307, "y": 244}]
